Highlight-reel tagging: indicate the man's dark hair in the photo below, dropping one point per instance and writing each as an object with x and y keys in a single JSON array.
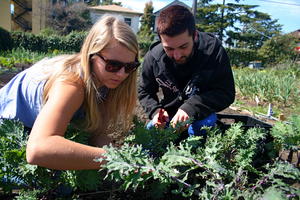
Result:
[{"x": 175, "y": 20}]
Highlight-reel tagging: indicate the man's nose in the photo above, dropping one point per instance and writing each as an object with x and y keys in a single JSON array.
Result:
[{"x": 177, "y": 54}]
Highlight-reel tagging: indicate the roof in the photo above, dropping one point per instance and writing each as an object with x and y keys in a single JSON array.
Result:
[
  {"x": 115, "y": 8},
  {"x": 296, "y": 33},
  {"x": 176, "y": 2}
]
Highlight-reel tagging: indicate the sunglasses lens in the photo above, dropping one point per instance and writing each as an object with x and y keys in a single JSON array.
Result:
[
  {"x": 131, "y": 67},
  {"x": 113, "y": 66}
]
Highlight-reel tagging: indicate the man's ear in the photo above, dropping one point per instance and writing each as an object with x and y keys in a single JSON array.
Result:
[
  {"x": 195, "y": 36},
  {"x": 159, "y": 38}
]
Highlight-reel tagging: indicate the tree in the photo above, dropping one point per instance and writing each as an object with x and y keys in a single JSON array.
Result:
[
  {"x": 145, "y": 34},
  {"x": 256, "y": 27},
  {"x": 236, "y": 24},
  {"x": 102, "y": 2},
  {"x": 68, "y": 18},
  {"x": 279, "y": 49},
  {"x": 147, "y": 22}
]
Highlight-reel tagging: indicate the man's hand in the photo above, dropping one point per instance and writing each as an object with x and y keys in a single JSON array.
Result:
[
  {"x": 160, "y": 119},
  {"x": 180, "y": 116}
]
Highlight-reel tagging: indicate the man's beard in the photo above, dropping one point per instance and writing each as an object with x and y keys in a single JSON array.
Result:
[{"x": 185, "y": 61}]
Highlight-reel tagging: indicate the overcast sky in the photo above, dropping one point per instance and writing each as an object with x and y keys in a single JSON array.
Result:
[{"x": 287, "y": 12}]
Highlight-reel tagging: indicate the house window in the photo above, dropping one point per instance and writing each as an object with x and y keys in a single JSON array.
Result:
[{"x": 127, "y": 21}]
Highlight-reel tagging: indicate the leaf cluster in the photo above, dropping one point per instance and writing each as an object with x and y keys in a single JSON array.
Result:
[
  {"x": 228, "y": 165},
  {"x": 33, "y": 181},
  {"x": 231, "y": 164}
]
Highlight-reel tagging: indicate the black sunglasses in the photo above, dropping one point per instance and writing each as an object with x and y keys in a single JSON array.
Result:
[{"x": 115, "y": 66}]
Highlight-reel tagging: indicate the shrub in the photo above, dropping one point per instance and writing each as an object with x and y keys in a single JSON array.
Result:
[
  {"x": 5, "y": 40},
  {"x": 45, "y": 44},
  {"x": 67, "y": 18},
  {"x": 242, "y": 57},
  {"x": 48, "y": 32},
  {"x": 144, "y": 45},
  {"x": 279, "y": 49}
]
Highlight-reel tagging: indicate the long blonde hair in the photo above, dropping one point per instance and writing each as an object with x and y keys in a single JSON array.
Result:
[{"x": 118, "y": 107}]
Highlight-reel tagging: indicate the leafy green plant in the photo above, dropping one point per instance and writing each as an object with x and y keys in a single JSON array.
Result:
[
  {"x": 268, "y": 85},
  {"x": 279, "y": 49},
  {"x": 240, "y": 57},
  {"x": 225, "y": 167},
  {"x": 34, "y": 181},
  {"x": 69, "y": 43},
  {"x": 231, "y": 164},
  {"x": 20, "y": 56},
  {"x": 287, "y": 135}
]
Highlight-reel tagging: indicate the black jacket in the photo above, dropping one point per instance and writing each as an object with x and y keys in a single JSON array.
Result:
[{"x": 201, "y": 86}]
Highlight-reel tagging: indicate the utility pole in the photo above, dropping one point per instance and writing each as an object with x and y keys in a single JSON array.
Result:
[
  {"x": 222, "y": 22},
  {"x": 194, "y": 7}
]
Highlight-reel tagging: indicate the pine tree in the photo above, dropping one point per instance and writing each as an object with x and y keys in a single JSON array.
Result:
[
  {"x": 145, "y": 34},
  {"x": 147, "y": 22},
  {"x": 110, "y": 2},
  {"x": 236, "y": 22}
]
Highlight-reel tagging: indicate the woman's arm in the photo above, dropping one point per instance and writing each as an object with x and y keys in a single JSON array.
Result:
[{"x": 47, "y": 146}]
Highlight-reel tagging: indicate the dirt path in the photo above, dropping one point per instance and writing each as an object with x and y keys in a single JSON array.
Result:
[{"x": 5, "y": 77}]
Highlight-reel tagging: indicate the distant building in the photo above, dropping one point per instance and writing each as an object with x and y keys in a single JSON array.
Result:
[
  {"x": 26, "y": 15},
  {"x": 131, "y": 17},
  {"x": 255, "y": 65},
  {"x": 297, "y": 35},
  {"x": 31, "y": 15}
]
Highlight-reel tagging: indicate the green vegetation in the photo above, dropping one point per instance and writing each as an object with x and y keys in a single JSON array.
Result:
[
  {"x": 11, "y": 59},
  {"x": 279, "y": 49},
  {"x": 236, "y": 24},
  {"x": 268, "y": 85},
  {"x": 66, "y": 18},
  {"x": 5, "y": 40},
  {"x": 145, "y": 34},
  {"x": 231, "y": 164},
  {"x": 228, "y": 164},
  {"x": 278, "y": 85},
  {"x": 41, "y": 43},
  {"x": 33, "y": 181}
]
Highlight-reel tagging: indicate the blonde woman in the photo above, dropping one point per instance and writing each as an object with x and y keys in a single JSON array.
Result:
[{"x": 96, "y": 86}]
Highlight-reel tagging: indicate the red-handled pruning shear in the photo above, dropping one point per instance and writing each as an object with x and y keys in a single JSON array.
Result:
[{"x": 161, "y": 117}]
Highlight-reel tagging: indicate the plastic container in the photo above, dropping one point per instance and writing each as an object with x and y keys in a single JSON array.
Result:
[{"x": 224, "y": 121}]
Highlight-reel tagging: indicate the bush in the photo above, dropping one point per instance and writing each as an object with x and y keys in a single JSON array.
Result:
[
  {"x": 242, "y": 57},
  {"x": 48, "y": 32},
  {"x": 279, "y": 49},
  {"x": 5, "y": 40},
  {"x": 45, "y": 44},
  {"x": 67, "y": 18}
]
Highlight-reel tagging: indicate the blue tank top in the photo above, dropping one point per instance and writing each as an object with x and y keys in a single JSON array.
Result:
[{"x": 21, "y": 97}]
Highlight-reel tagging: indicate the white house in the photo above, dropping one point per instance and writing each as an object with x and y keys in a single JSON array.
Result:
[{"x": 131, "y": 17}]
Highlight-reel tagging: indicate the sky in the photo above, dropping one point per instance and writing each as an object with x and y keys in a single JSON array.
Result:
[{"x": 286, "y": 11}]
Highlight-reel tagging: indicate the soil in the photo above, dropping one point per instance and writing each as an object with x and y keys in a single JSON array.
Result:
[{"x": 5, "y": 77}]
